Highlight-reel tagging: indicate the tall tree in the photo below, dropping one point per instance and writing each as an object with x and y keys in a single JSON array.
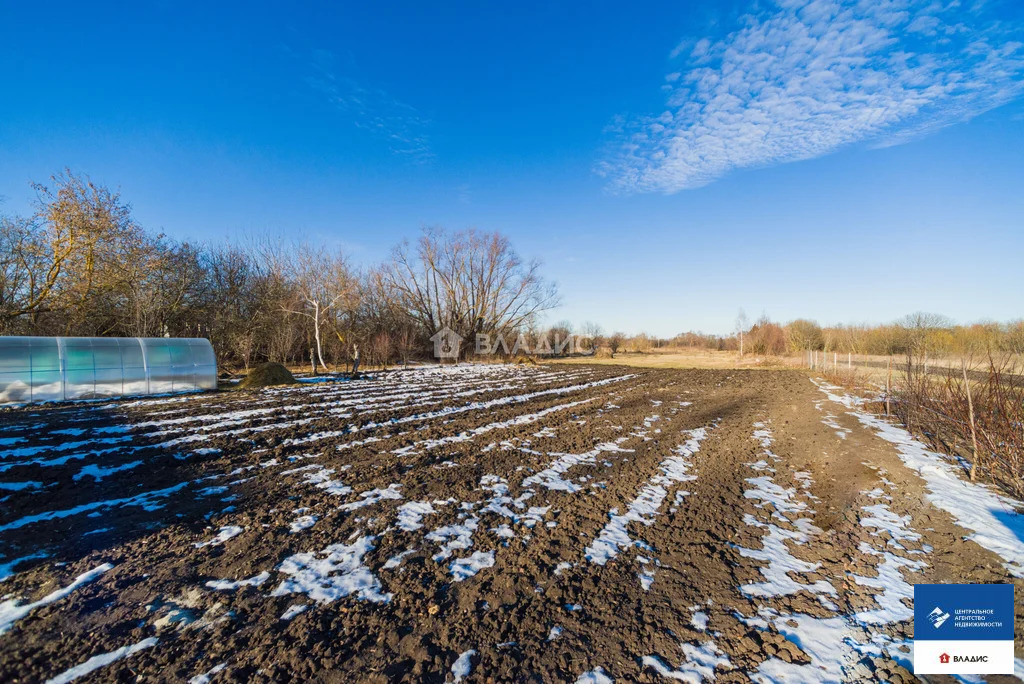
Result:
[{"x": 467, "y": 281}]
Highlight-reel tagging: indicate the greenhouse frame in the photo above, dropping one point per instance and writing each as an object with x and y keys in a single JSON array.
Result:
[{"x": 64, "y": 368}]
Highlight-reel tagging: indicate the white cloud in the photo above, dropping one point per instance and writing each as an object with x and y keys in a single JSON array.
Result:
[{"x": 807, "y": 78}]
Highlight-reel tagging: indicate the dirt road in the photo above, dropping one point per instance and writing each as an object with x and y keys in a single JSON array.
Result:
[{"x": 481, "y": 523}]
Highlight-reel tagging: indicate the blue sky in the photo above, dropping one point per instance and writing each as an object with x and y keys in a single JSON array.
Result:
[{"x": 669, "y": 162}]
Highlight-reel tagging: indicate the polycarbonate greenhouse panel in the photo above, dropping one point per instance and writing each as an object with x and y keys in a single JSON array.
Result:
[{"x": 61, "y": 368}]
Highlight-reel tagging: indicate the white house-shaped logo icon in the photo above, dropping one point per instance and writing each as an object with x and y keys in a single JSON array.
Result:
[{"x": 446, "y": 343}]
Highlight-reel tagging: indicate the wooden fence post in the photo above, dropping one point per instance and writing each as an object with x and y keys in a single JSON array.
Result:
[{"x": 888, "y": 384}]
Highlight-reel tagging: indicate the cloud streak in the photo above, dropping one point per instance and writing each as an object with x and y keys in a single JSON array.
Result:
[
  {"x": 373, "y": 110},
  {"x": 806, "y": 78}
]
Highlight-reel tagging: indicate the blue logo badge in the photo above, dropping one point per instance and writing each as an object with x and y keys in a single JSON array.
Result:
[{"x": 968, "y": 612}]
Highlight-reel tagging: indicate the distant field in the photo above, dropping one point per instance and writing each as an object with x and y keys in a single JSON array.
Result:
[
  {"x": 689, "y": 358},
  {"x": 869, "y": 369}
]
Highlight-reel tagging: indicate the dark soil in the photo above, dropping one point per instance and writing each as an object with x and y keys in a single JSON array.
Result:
[{"x": 148, "y": 485}]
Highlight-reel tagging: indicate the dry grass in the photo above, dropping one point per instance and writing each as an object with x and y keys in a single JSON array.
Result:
[
  {"x": 687, "y": 358},
  {"x": 978, "y": 422}
]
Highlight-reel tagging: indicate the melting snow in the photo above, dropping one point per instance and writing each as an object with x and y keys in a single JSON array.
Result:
[
  {"x": 293, "y": 610},
  {"x": 551, "y": 477},
  {"x": 303, "y": 522},
  {"x": 823, "y": 640},
  {"x": 644, "y": 507},
  {"x": 700, "y": 664},
  {"x": 464, "y": 568},
  {"x": 339, "y": 573},
  {"x": 222, "y": 536},
  {"x": 780, "y": 563},
  {"x": 373, "y": 496},
  {"x": 11, "y": 610},
  {"x": 463, "y": 666},
  {"x": 97, "y": 473},
  {"x": 7, "y": 568},
  {"x": 397, "y": 559},
  {"x": 993, "y": 518},
  {"x": 102, "y": 660},
  {"x": 146, "y": 500},
  {"x": 205, "y": 677},
  {"x": 322, "y": 480},
  {"x": 882, "y": 518},
  {"x": 231, "y": 585},
  {"x": 895, "y": 590},
  {"x": 453, "y": 537},
  {"x": 595, "y": 676},
  {"x": 411, "y": 514}
]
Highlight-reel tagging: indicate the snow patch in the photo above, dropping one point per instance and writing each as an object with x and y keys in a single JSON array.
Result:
[
  {"x": 338, "y": 573},
  {"x": 595, "y": 676},
  {"x": 12, "y": 610},
  {"x": 701, "y": 662},
  {"x": 223, "y": 535},
  {"x": 465, "y": 568},
  {"x": 102, "y": 660},
  {"x": 303, "y": 522},
  {"x": 463, "y": 665},
  {"x": 373, "y": 496},
  {"x": 231, "y": 585},
  {"x": 644, "y": 507},
  {"x": 993, "y": 518},
  {"x": 411, "y": 514}
]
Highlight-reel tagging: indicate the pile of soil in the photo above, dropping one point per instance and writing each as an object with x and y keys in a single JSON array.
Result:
[{"x": 267, "y": 375}]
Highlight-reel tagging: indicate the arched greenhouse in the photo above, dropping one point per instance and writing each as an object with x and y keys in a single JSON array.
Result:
[{"x": 62, "y": 368}]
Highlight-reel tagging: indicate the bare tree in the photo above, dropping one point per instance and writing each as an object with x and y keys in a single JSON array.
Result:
[
  {"x": 326, "y": 289},
  {"x": 742, "y": 325},
  {"x": 467, "y": 281},
  {"x": 615, "y": 341},
  {"x": 382, "y": 346},
  {"x": 61, "y": 258},
  {"x": 592, "y": 334},
  {"x": 406, "y": 343}
]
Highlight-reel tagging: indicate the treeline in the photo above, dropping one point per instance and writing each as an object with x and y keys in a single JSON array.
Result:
[
  {"x": 80, "y": 265},
  {"x": 919, "y": 334}
]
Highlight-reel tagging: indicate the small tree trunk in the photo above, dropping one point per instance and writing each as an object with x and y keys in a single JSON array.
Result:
[
  {"x": 316, "y": 334},
  {"x": 355, "y": 359},
  {"x": 970, "y": 413}
]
